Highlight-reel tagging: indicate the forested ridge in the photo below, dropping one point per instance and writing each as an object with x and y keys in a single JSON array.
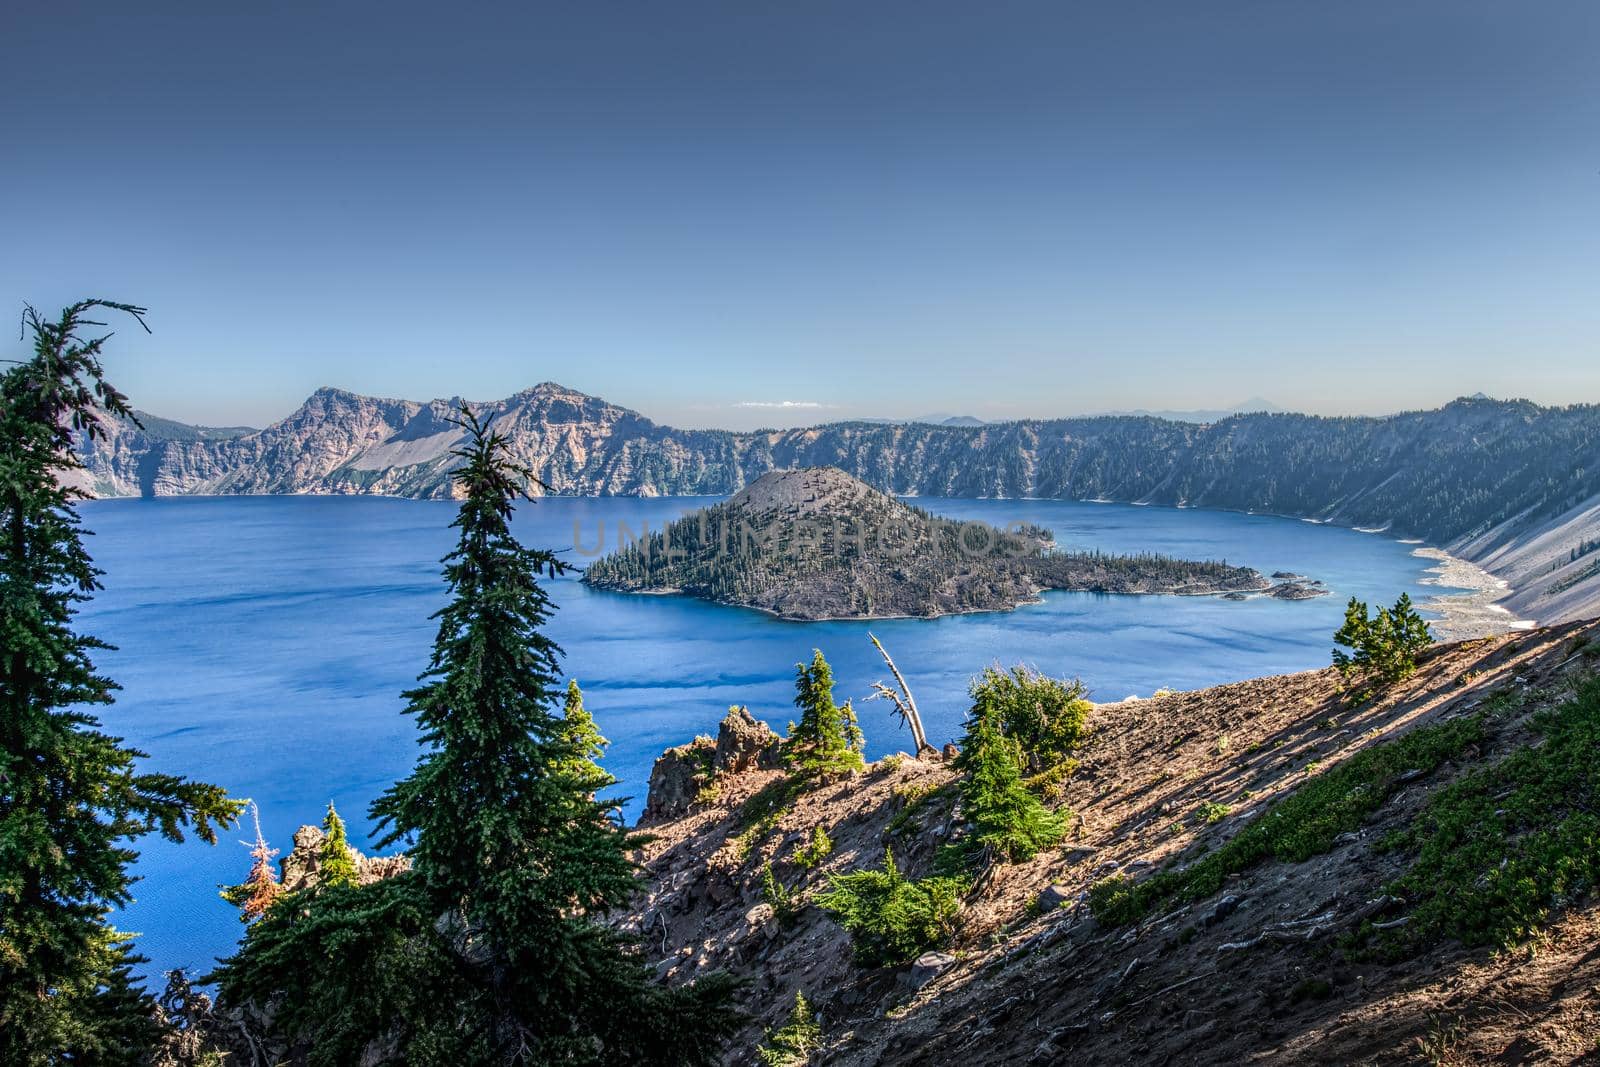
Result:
[{"x": 1441, "y": 474}]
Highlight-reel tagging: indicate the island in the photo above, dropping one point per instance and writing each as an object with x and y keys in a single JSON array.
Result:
[{"x": 816, "y": 544}]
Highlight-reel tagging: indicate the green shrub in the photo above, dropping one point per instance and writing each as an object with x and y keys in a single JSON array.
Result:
[
  {"x": 1047, "y": 716},
  {"x": 1385, "y": 647},
  {"x": 892, "y": 918},
  {"x": 1007, "y": 820},
  {"x": 1498, "y": 850},
  {"x": 815, "y": 850},
  {"x": 786, "y": 903},
  {"x": 913, "y": 797},
  {"x": 1302, "y": 825},
  {"x": 793, "y": 1044},
  {"x": 1210, "y": 812}
]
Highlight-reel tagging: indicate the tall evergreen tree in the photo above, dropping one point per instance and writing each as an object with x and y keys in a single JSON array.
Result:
[
  {"x": 827, "y": 739},
  {"x": 71, "y": 796},
  {"x": 489, "y": 950}
]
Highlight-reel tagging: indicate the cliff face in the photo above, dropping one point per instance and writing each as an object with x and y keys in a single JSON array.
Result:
[
  {"x": 1259, "y": 970},
  {"x": 1480, "y": 477}
]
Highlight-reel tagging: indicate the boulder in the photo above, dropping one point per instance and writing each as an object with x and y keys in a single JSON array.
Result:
[
  {"x": 744, "y": 743},
  {"x": 677, "y": 778},
  {"x": 926, "y": 967},
  {"x": 1054, "y": 896}
]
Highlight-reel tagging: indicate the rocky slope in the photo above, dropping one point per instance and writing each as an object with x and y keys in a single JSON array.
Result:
[
  {"x": 1263, "y": 970},
  {"x": 818, "y": 544},
  {"x": 1483, "y": 478}
]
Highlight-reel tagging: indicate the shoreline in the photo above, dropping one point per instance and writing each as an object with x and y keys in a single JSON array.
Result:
[{"x": 1476, "y": 610}]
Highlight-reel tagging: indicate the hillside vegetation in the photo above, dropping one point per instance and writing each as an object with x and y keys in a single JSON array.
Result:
[{"x": 1265, "y": 872}]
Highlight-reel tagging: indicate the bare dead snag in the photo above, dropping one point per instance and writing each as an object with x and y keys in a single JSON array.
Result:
[{"x": 904, "y": 703}]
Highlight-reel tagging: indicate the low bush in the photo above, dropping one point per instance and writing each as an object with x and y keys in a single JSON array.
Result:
[
  {"x": 1499, "y": 850},
  {"x": 1302, "y": 825},
  {"x": 1048, "y": 717},
  {"x": 892, "y": 918},
  {"x": 786, "y": 904},
  {"x": 818, "y": 848}
]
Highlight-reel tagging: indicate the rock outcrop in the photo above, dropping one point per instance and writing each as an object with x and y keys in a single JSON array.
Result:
[
  {"x": 301, "y": 867},
  {"x": 681, "y": 775}
]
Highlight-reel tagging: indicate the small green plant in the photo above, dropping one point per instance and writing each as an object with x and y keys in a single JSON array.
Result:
[
  {"x": 786, "y": 903},
  {"x": 892, "y": 918},
  {"x": 1210, "y": 812},
  {"x": 818, "y": 848},
  {"x": 792, "y": 1044},
  {"x": 890, "y": 764},
  {"x": 1383, "y": 648},
  {"x": 1438, "y": 1046},
  {"x": 913, "y": 797}
]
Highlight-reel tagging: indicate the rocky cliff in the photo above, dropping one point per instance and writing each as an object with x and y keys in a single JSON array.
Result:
[{"x": 1508, "y": 482}]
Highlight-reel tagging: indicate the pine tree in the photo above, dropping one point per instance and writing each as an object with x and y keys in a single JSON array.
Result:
[
  {"x": 490, "y": 950},
  {"x": 336, "y": 865},
  {"x": 1384, "y": 648},
  {"x": 579, "y": 731},
  {"x": 827, "y": 739},
  {"x": 792, "y": 1044},
  {"x": 1353, "y": 636},
  {"x": 71, "y": 796},
  {"x": 261, "y": 888},
  {"x": 1007, "y": 820}
]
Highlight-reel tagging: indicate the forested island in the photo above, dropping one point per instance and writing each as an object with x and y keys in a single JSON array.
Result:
[{"x": 818, "y": 544}]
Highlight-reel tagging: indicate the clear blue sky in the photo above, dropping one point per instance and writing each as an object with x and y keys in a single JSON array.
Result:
[{"x": 881, "y": 209}]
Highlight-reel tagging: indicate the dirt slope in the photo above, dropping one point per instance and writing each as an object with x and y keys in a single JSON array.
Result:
[{"x": 1247, "y": 976}]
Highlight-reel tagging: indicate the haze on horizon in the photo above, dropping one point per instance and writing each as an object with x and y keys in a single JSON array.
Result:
[{"x": 743, "y": 215}]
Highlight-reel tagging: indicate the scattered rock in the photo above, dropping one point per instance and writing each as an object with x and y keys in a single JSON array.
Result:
[
  {"x": 927, "y": 967},
  {"x": 1054, "y": 896},
  {"x": 1225, "y": 907}
]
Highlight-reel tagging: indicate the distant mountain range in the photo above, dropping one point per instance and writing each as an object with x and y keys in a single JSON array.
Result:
[{"x": 1509, "y": 483}]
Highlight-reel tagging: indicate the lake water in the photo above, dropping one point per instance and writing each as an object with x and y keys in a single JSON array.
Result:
[{"x": 264, "y": 642}]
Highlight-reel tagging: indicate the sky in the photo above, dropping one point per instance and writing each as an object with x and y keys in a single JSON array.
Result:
[{"x": 768, "y": 214}]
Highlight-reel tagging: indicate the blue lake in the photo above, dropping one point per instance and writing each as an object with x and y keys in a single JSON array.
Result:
[{"x": 264, "y": 642}]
